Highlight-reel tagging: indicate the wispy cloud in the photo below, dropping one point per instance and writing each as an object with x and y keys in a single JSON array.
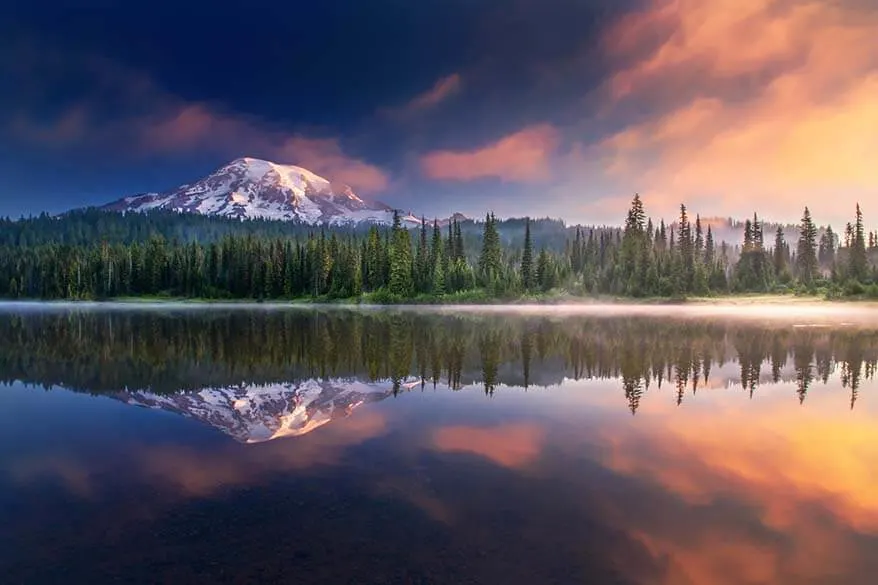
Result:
[
  {"x": 444, "y": 89},
  {"x": 523, "y": 156}
]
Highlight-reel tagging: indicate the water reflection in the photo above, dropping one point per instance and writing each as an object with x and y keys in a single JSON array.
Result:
[
  {"x": 751, "y": 458},
  {"x": 257, "y": 352}
]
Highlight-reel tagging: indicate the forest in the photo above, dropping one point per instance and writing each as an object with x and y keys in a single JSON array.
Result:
[{"x": 102, "y": 255}]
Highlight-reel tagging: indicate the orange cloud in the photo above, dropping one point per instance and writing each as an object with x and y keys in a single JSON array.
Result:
[
  {"x": 514, "y": 445},
  {"x": 778, "y": 106},
  {"x": 522, "y": 156}
]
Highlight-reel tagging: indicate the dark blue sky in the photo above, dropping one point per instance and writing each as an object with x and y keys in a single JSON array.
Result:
[{"x": 541, "y": 107}]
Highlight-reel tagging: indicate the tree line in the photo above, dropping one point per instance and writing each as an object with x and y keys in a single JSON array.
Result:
[{"x": 436, "y": 262}]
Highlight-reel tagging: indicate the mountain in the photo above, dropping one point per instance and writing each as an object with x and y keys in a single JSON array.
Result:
[
  {"x": 254, "y": 414},
  {"x": 253, "y": 188}
]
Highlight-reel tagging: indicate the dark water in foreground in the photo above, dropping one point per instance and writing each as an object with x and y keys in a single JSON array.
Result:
[{"x": 380, "y": 446}]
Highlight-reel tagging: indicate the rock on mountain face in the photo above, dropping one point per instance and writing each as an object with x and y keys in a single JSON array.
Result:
[
  {"x": 253, "y": 414},
  {"x": 253, "y": 188}
]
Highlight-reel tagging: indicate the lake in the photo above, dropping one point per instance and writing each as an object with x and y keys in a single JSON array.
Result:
[{"x": 513, "y": 445}]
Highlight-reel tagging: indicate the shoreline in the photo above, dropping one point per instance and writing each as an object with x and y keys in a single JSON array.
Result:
[{"x": 560, "y": 302}]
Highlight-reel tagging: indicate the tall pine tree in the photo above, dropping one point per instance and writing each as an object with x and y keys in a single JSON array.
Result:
[
  {"x": 806, "y": 251},
  {"x": 857, "y": 259},
  {"x": 527, "y": 268},
  {"x": 400, "y": 260}
]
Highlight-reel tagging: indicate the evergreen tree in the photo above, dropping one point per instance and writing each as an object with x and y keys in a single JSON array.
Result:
[
  {"x": 400, "y": 260},
  {"x": 422, "y": 263},
  {"x": 374, "y": 277},
  {"x": 489, "y": 260},
  {"x": 633, "y": 247},
  {"x": 780, "y": 256},
  {"x": 709, "y": 248},
  {"x": 545, "y": 271},
  {"x": 527, "y": 269},
  {"x": 751, "y": 272},
  {"x": 699, "y": 237},
  {"x": 459, "y": 254},
  {"x": 687, "y": 253},
  {"x": 437, "y": 261},
  {"x": 806, "y": 251},
  {"x": 828, "y": 245},
  {"x": 857, "y": 259}
]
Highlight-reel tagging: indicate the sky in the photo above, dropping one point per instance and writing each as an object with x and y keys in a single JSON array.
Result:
[{"x": 560, "y": 108}]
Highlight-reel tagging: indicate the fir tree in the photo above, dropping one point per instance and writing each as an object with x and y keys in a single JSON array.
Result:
[
  {"x": 422, "y": 264},
  {"x": 545, "y": 274},
  {"x": 400, "y": 260},
  {"x": 527, "y": 272},
  {"x": 459, "y": 254},
  {"x": 437, "y": 262},
  {"x": 780, "y": 255},
  {"x": 374, "y": 277},
  {"x": 828, "y": 245},
  {"x": 709, "y": 251},
  {"x": 857, "y": 259},
  {"x": 806, "y": 251},
  {"x": 489, "y": 260},
  {"x": 699, "y": 237},
  {"x": 633, "y": 244},
  {"x": 687, "y": 252}
]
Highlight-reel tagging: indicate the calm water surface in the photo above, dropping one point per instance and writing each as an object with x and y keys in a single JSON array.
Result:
[{"x": 242, "y": 445}]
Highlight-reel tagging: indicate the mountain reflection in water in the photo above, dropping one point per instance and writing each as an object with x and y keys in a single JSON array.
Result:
[{"x": 426, "y": 447}]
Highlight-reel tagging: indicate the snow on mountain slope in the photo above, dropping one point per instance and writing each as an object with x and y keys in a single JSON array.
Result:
[
  {"x": 253, "y": 414},
  {"x": 254, "y": 188}
]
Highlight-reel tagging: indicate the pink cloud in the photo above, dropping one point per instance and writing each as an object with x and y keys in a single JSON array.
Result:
[{"x": 523, "y": 156}]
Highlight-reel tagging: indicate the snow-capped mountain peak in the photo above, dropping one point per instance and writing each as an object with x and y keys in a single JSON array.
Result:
[{"x": 254, "y": 188}]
